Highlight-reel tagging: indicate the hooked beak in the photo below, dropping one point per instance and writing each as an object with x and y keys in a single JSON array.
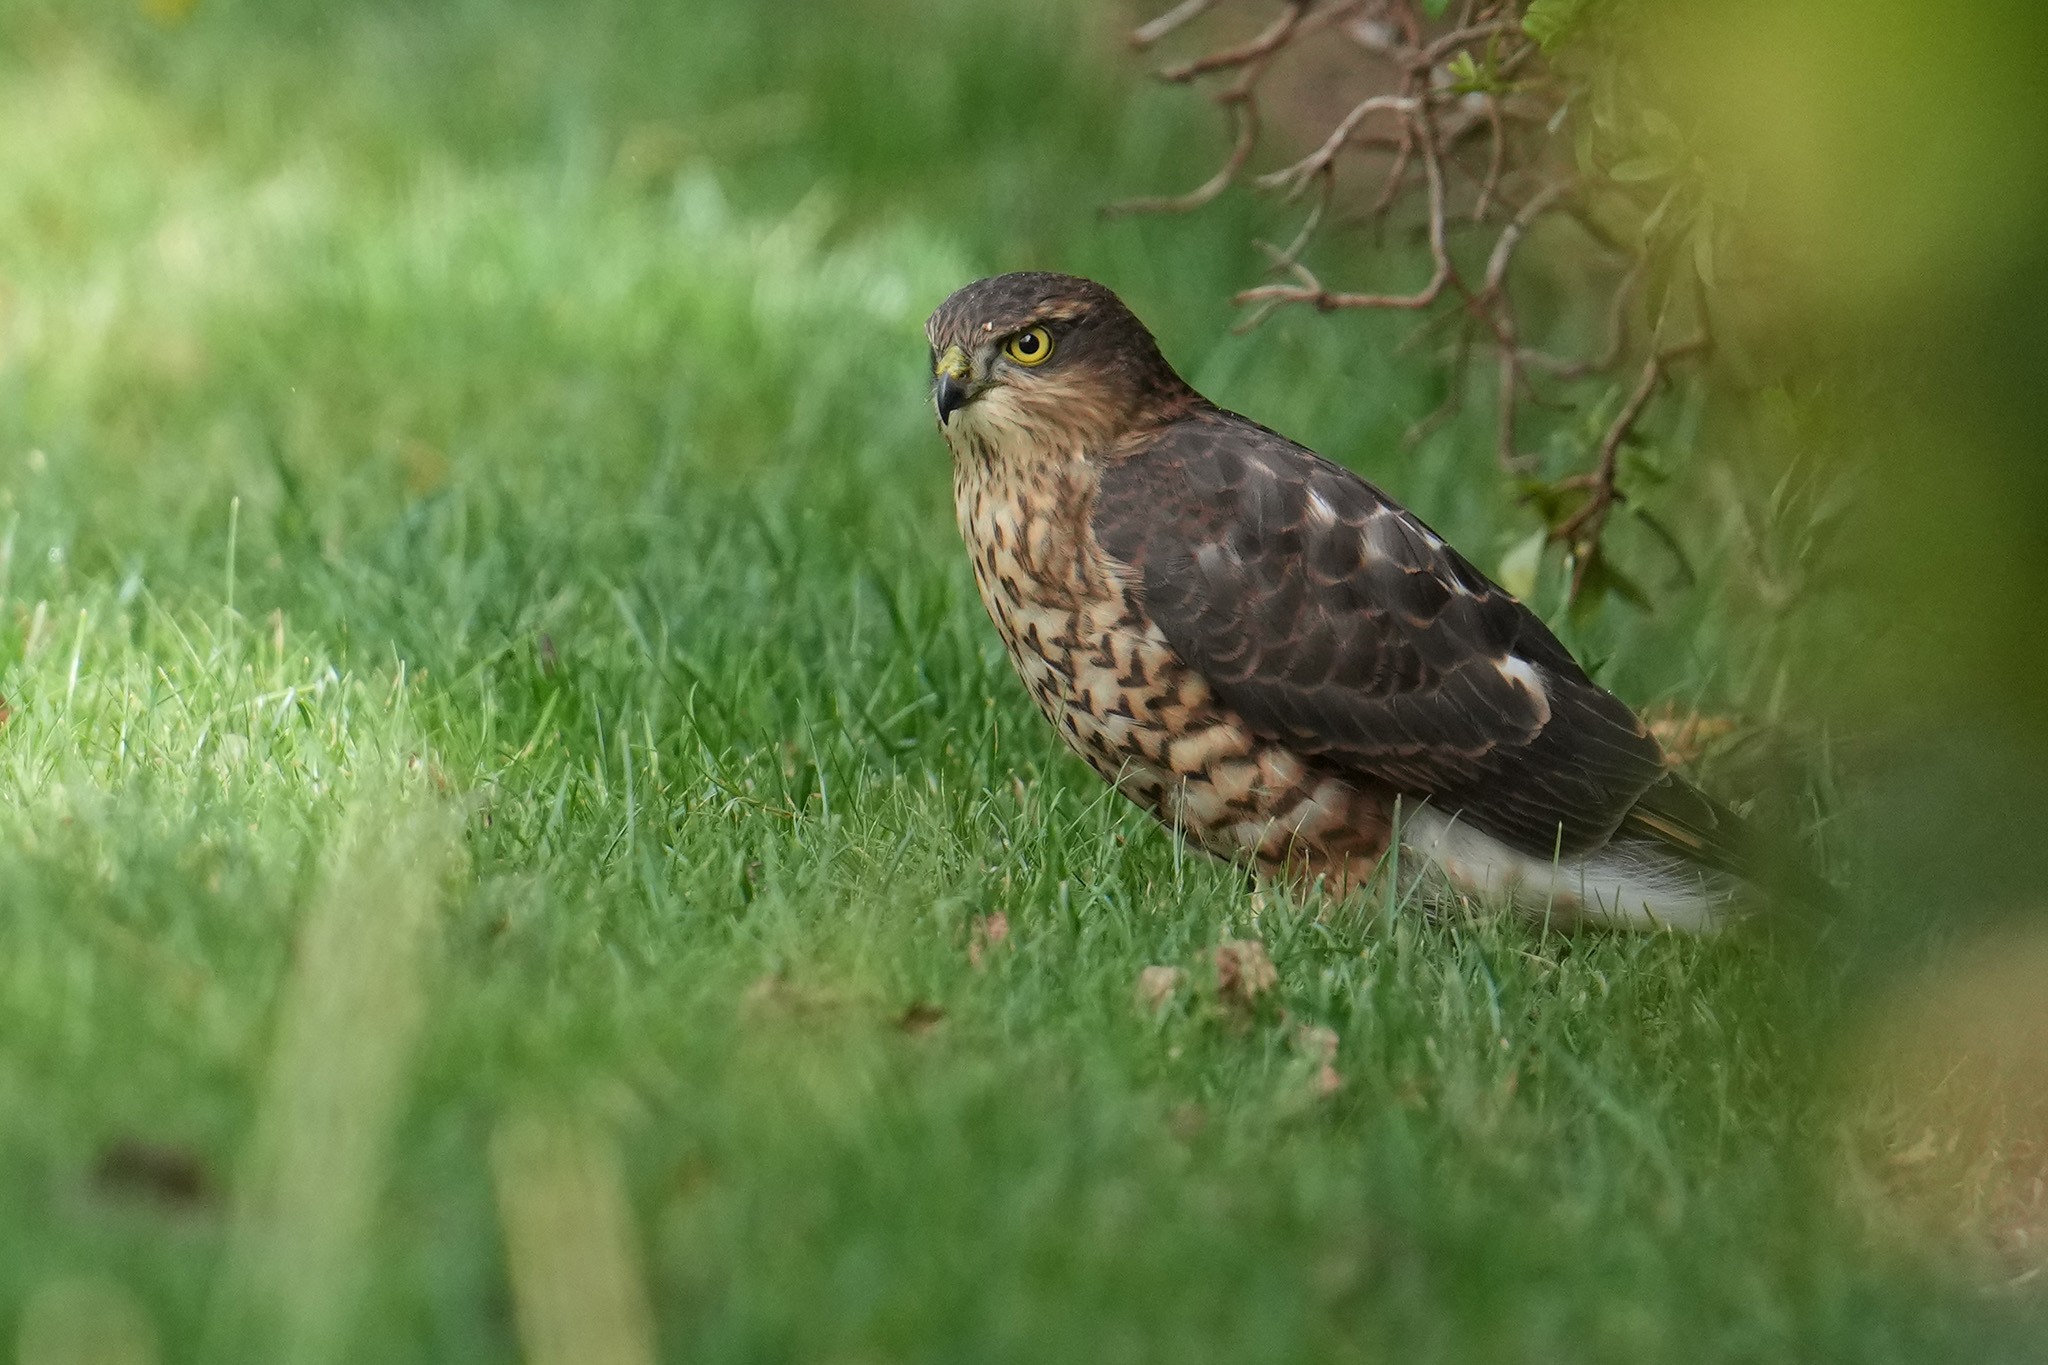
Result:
[{"x": 949, "y": 383}]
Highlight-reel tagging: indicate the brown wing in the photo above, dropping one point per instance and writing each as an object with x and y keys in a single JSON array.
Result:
[{"x": 1335, "y": 622}]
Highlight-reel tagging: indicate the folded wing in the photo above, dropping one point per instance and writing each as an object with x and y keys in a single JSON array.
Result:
[{"x": 1335, "y": 622}]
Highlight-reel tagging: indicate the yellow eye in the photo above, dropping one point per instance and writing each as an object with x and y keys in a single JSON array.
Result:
[{"x": 1032, "y": 346}]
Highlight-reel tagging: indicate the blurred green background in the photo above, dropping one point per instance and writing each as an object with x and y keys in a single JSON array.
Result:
[{"x": 508, "y": 785}]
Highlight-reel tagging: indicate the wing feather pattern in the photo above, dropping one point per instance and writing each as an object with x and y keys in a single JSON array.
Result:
[{"x": 1337, "y": 623}]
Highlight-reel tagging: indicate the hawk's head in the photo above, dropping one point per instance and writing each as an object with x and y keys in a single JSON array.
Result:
[{"x": 1035, "y": 361}]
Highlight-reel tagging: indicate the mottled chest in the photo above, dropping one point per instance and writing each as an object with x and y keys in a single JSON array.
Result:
[
  {"x": 1071, "y": 622},
  {"x": 1100, "y": 669}
]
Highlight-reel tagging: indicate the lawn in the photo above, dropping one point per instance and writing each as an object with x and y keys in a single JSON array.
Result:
[{"x": 518, "y": 839}]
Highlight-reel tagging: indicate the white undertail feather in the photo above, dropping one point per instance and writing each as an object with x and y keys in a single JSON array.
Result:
[{"x": 1625, "y": 885}]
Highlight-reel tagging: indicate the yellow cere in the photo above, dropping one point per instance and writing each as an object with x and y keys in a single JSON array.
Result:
[{"x": 1032, "y": 346}]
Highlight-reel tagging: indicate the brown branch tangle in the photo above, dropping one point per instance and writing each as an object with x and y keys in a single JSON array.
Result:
[{"x": 1469, "y": 101}]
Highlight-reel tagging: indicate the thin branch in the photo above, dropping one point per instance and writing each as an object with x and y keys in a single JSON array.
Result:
[
  {"x": 1443, "y": 321},
  {"x": 1517, "y": 226},
  {"x": 1617, "y": 335},
  {"x": 1294, "y": 178},
  {"x": 1582, "y": 529},
  {"x": 1454, "y": 391},
  {"x": 1429, "y": 57},
  {"x": 1601, "y": 481},
  {"x": 1506, "y": 407},
  {"x": 1265, "y": 44},
  {"x": 1246, "y": 113},
  {"x": 1510, "y": 63},
  {"x": 1397, "y": 174},
  {"x": 1325, "y": 300},
  {"x": 1494, "y": 164},
  {"x": 1375, "y": 36},
  {"x": 1411, "y": 22},
  {"x": 1291, "y": 256},
  {"x": 1147, "y": 34},
  {"x": 1492, "y": 305}
]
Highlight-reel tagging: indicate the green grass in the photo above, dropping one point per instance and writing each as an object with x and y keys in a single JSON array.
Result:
[{"x": 484, "y": 635}]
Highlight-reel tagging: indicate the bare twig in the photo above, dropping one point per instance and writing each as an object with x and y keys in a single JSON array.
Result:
[
  {"x": 1246, "y": 113},
  {"x": 1494, "y": 163},
  {"x": 1617, "y": 334},
  {"x": 1397, "y": 174},
  {"x": 1377, "y": 37},
  {"x": 1454, "y": 390},
  {"x": 1511, "y": 236},
  {"x": 1291, "y": 255},
  {"x": 1294, "y": 178},
  {"x": 1441, "y": 50},
  {"x": 1327, "y": 300},
  {"x": 1147, "y": 34},
  {"x": 1264, "y": 45},
  {"x": 1493, "y": 306},
  {"x": 1506, "y": 406},
  {"x": 1582, "y": 529}
]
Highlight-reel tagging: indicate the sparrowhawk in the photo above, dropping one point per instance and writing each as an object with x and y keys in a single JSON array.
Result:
[{"x": 1273, "y": 656}]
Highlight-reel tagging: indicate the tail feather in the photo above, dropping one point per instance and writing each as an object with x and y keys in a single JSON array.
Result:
[
  {"x": 1679, "y": 860},
  {"x": 1679, "y": 816}
]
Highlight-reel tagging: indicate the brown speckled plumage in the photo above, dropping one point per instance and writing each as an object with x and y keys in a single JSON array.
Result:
[{"x": 1264, "y": 650}]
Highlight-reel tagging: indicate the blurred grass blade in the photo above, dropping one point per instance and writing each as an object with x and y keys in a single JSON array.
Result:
[
  {"x": 576, "y": 1278},
  {"x": 348, "y": 1022},
  {"x": 75, "y": 1320}
]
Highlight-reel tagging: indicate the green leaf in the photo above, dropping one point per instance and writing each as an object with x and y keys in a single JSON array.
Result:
[
  {"x": 1703, "y": 245},
  {"x": 1550, "y": 22},
  {"x": 1582, "y": 146},
  {"x": 1552, "y": 503},
  {"x": 1624, "y": 586},
  {"x": 1656, "y": 216},
  {"x": 1670, "y": 542},
  {"x": 1435, "y": 8},
  {"x": 1520, "y": 565},
  {"x": 1602, "y": 578},
  {"x": 1660, "y": 129},
  {"x": 1637, "y": 169},
  {"x": 1591, "y": 591}
]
